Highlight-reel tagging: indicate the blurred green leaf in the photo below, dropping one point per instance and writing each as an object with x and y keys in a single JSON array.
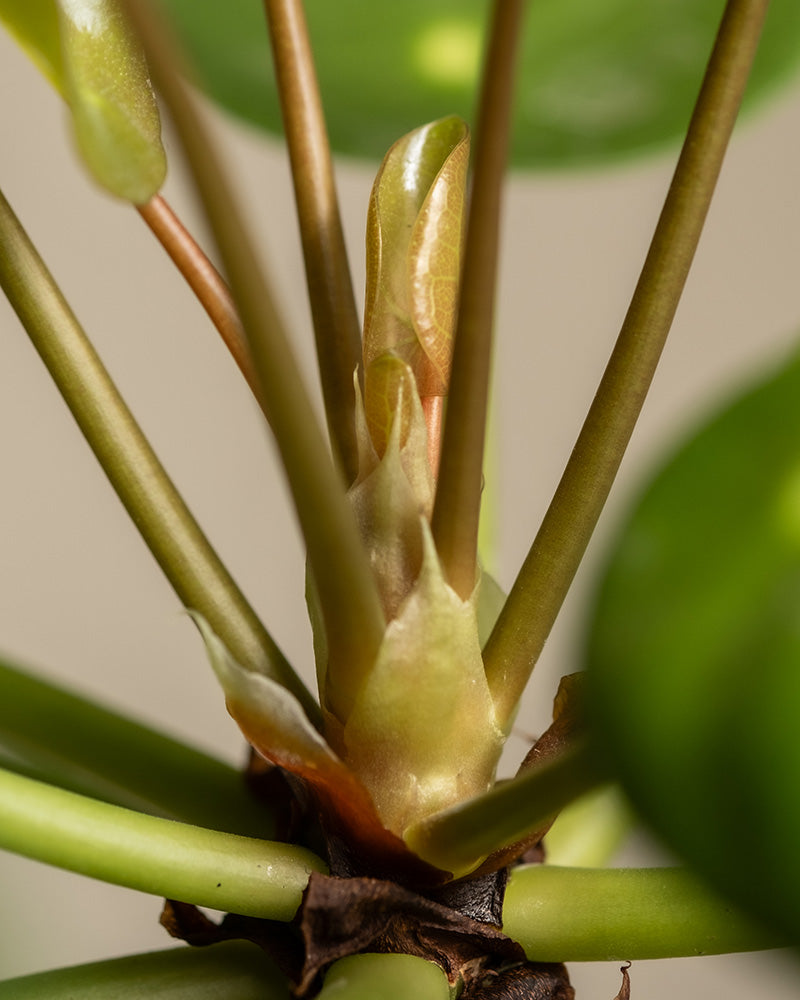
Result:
[
  {"x": 590, "y": 830},
  {"x": 85, "y": 49},
  {"x": 62, "y": 738},
  {"x": 33, "y": 24},
  {"x": 599, "y": 80},
  {"x": 694, "y": 650}
]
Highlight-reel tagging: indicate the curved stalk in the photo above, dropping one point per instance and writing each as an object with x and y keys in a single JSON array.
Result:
[
  {"x": 70, "y": 742},
  {"x": 365, "y": 977},
  {"x": 229, "y": 971},
  {"x": 330, "y": 288},
  {"x": 257, "y": 878},
  {"x": 622, "y": 914},
  {"x": 456, "y": 511},
  {"x": 459, "y": 838},
  {"x": 203, "y": 278},
  {"x": 166, "y": 524},
  {"x": 347, "y": 593},
  {"x": 542, "y": 583}
]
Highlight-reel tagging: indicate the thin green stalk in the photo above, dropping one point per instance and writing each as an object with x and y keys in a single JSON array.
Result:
[
  {"x": 456, "y": 511},
  {"x": 403, "y": 977},
  {"x": 257, "y": 878},
  {"x": 232, "y": 970},
  {"x": 191, "y": 565},
  {"x": 619, "y": 914},
  {"x": 347, "y": 593},
  {"x": 548, "y": 570},
  {"x": 330, "y": 288},
  {"x": 75, "y": 744},
  {"x": 459, "y": 838}
]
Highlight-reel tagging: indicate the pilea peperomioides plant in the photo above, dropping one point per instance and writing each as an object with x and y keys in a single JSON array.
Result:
[{"x": 388, "y": 845}]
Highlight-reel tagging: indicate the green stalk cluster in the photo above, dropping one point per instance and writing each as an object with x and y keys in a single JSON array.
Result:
[{"x": 401, "y": 750}]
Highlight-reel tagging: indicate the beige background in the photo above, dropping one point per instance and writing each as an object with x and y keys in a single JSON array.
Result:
[{"x": 80, "y": 597}]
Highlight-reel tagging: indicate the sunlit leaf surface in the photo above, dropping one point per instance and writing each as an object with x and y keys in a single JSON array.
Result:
[
  {"x": 86, "y": 50},
  {"x": 599, "y": 80},
  {"x": 694, "y": 650}
]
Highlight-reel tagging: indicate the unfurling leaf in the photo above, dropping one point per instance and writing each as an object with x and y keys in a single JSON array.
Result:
[
  {"x": 414, "y": 237},
  {"x": 421, "y": 734},
  {"x": 86, "y": 49}
]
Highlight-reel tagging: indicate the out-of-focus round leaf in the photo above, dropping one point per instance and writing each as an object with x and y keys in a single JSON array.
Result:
[
  {"x": 694, "y": 651},
  {"x": 598, "y": 79}
]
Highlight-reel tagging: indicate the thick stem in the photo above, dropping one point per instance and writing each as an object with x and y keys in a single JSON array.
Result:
[
  {"x": 330, "y": 288},
  {"x": 203, "y": 278},
  {"x": 456, "y": 511},
  {"x": 191, "y": 565},
  {"x": 258, "y": 878},
  {"x": 619, "y": 914},
  {"x": 548, "y": 570},
  {"x": 233, "y": 970},
  {"x": 403, "y": 977},
  {"x": 557, "y": 914}
]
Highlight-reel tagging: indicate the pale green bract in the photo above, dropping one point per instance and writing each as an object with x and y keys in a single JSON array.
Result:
[
  {"x": 422, "y": 734},
  {"x": 86, "y": 50}
]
